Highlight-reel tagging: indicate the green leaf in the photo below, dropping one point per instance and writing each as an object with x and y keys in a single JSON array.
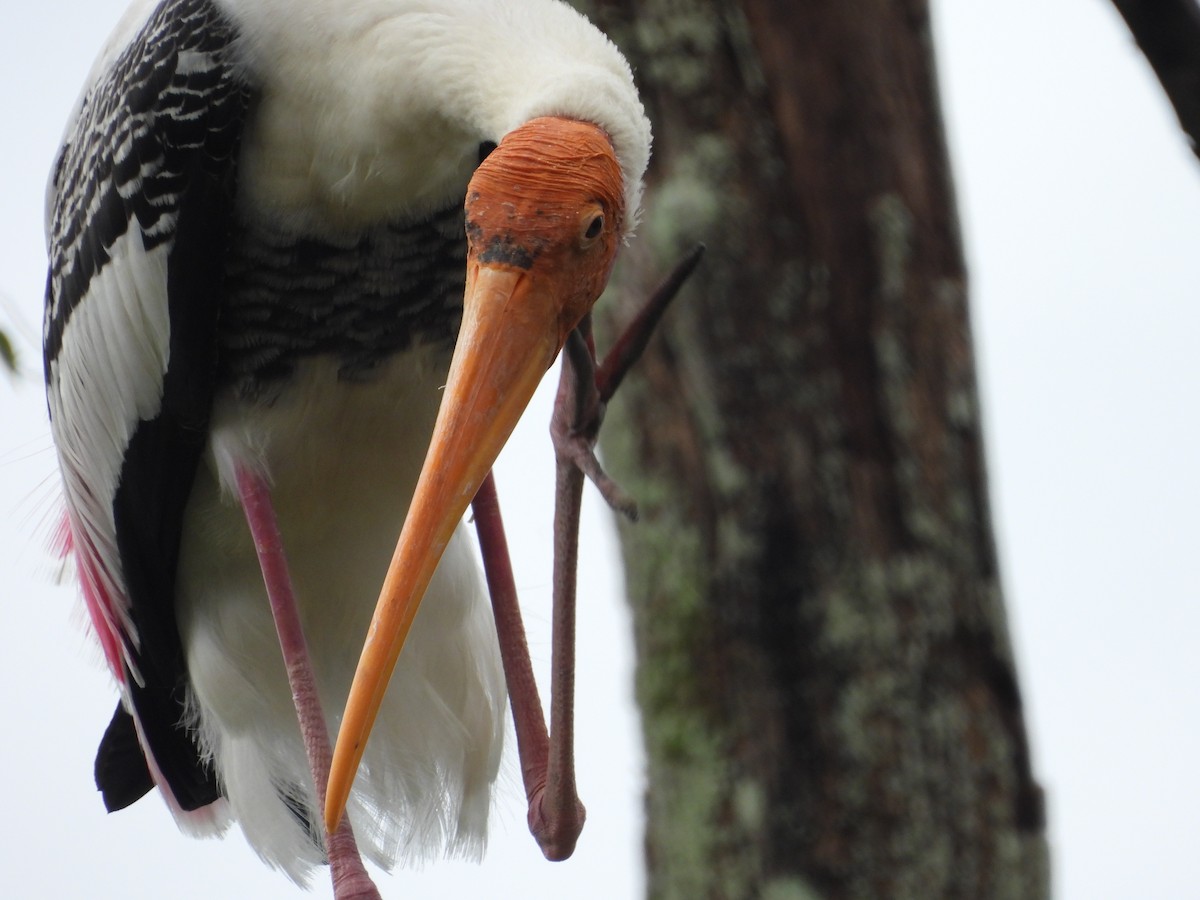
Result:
[{"x": 8, "y": 356}]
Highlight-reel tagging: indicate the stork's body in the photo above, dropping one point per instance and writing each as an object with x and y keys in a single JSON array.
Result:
[
  {"x": 257, "y": 266},
  {"x": 338, "y": 455}
]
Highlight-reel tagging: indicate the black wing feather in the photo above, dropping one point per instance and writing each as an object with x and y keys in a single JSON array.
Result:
[{"x": 155, "y": 148}]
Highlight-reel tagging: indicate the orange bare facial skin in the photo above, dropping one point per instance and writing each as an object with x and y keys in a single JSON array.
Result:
[{"x": 550, "y": 200}]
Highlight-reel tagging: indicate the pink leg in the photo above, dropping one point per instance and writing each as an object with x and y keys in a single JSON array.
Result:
[
  {"x": 556, "y": 814},
  {"x": 585, "y": 389},
  {"x": 350, "y": 878},
  {"x": 547, "y": 768}
]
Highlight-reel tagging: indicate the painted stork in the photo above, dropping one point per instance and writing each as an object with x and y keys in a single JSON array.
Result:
[{"x": 259, "y": 260}]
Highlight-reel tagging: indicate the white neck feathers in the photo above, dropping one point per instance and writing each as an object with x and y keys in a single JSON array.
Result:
[{"x": 375, "y": 109}]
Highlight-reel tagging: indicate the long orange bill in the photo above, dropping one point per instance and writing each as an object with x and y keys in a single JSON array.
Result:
[{"x": 510, "y": 334}]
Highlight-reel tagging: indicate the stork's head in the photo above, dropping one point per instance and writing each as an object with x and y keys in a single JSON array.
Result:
[{"x": 545, "y": 214}]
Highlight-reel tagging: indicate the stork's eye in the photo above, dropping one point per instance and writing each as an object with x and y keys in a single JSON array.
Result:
[{"x": 591, "y": 226}]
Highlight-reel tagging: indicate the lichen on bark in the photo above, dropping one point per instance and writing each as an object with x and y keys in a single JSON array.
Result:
[{"x": 829, "y": 701}]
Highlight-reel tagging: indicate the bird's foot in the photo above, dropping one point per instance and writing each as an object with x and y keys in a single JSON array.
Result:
[
  {"x": 575, "y": 424},
  {"x": 584, "y": 392}
]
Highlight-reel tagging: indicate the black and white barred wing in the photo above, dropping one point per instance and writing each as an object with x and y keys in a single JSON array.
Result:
[{"x": 137, "y": 219}]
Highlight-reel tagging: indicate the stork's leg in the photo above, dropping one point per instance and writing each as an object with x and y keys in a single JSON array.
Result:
[
  {"x": 350, "y": 878},
  {"x": 585, "y": 389},
  {"x": 547, "y": 766},
  {"x": 556, "y": 814}
]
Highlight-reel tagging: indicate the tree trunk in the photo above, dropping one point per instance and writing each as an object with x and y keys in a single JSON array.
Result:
[{"x": 829, "y": 699}]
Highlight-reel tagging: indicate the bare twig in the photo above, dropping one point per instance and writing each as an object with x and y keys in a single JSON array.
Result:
[{"x": 1168, "y": 33}]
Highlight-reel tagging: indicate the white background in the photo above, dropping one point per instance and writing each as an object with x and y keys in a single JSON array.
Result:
[{"x": 1081, "y": 209}]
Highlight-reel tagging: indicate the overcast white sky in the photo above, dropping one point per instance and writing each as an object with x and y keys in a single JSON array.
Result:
[{"x": 1081, "y": 207}]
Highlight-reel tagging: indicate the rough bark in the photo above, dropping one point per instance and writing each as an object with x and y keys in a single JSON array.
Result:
[{"x": 829, "y": 697}]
